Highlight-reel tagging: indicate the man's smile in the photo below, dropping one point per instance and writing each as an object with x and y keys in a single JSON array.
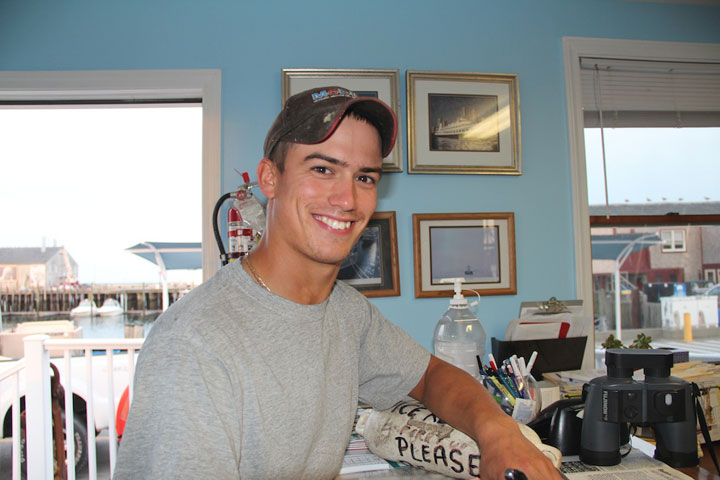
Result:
[{"x": 332, "y": 223}]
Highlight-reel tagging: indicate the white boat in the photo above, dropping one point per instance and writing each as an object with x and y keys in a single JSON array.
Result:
[
  {"x": 86, "y": 308},
  {"x": 110, "y": 307}
]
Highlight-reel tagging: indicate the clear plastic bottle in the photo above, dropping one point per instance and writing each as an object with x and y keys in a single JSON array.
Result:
[{"x": 459, "y": 338}]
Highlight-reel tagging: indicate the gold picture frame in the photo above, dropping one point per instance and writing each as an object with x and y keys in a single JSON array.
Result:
[
  {"x": 480, "y": 247},
  {"x": 463, "y": 123},
  {"x": 379, "y": 83}
]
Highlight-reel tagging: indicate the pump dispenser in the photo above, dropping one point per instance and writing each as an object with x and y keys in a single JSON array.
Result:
[{"x": 459, "y": 338}]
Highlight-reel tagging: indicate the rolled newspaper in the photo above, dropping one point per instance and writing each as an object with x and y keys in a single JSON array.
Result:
[{"x": 409, "y": 432}]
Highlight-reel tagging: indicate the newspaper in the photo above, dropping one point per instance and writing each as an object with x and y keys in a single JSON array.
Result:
[{"x": 636, "y": 466}]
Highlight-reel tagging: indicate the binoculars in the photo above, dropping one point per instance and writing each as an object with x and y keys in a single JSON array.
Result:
[{"x": 617, "y": 401}]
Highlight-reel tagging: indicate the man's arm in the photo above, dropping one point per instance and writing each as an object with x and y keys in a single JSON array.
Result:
[{"x": 460, "y": 400}]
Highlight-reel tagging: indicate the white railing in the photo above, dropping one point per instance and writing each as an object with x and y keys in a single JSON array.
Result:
[
  {"x": 14, "y": 373},
  {"x": 100, "y": 406}
]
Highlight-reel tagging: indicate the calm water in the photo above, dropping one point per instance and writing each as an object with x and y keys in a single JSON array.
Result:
[{"x": 117, "y": 326}]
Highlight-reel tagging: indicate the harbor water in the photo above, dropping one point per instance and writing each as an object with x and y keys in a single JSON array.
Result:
[{"x": 126, "y": 325}]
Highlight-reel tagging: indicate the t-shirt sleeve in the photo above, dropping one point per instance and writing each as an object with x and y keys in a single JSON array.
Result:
[
  {"x": 391, "y": 362},
  {"x": 181, "y": 424}
]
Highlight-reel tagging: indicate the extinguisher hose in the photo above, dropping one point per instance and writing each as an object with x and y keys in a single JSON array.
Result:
[{"x": 216, "y": 231}]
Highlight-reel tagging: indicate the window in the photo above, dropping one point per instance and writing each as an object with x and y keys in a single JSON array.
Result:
[
  {"x": 630, "y": 103},
  {"x": 93, "y": 86},
  {"x": 673, "y": 240}
]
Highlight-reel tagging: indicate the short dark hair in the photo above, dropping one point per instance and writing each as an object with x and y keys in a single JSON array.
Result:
[{"x": 281, "y": 149}]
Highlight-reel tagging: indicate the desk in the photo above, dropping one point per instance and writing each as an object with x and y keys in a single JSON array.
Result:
[{"x": 706, "y": 469}]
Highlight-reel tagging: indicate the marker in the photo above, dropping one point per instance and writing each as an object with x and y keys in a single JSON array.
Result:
[
  {"x": 493, "y": 364},
  {"x": 531, "y": 362}
]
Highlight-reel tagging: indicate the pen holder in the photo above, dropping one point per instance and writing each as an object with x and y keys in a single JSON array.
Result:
[
  {"x": 506, "y": 403},
  {"x": 525, "y": 410}
]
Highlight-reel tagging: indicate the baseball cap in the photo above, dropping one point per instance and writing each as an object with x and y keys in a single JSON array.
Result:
[{"x": 313, "y": 115}]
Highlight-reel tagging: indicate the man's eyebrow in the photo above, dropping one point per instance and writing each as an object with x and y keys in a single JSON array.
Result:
[
  {"x": 332, "y": 160},
  {"x": 342, "y": 163}
]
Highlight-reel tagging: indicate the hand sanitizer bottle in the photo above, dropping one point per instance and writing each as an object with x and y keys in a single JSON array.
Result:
[{"x": 459, "y": 337}]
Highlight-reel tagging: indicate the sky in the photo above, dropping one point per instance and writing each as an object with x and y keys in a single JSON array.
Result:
[
  {"x": 99, "y": 180},
  {"x": 654, "y": 165}
]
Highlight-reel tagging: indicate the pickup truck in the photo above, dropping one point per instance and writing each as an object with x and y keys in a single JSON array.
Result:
[{"x": 103, "y": 408}]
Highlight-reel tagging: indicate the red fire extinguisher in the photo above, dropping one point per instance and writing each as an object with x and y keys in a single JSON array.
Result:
[
  {"x": 240, "y": 233},
  {"x": 243, "y": 233}
]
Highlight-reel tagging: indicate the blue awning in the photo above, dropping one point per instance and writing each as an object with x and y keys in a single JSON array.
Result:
[
  {"x": 611, "y": 247},
  {"x": 174, "y": 255}
]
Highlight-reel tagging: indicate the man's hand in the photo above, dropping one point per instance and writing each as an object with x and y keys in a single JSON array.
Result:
[
  {"x": 503, "y": 446},
  {"x": 460, "y": 400}
]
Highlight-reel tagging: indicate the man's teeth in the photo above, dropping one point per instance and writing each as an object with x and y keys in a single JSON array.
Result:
[{"x": 334, "y": 224}]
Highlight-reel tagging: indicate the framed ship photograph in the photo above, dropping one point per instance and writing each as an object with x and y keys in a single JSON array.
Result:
[
  {"x": 479, "y": 247},
  {"x": 378, "y": 83},
  {"x": 372, "y": 265},
  {"x": 463, "y": 123}
]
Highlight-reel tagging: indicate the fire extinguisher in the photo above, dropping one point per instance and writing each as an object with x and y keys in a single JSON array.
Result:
[
  {"x": 243, "y": 233},
  {"x": 240, "y": 233}
]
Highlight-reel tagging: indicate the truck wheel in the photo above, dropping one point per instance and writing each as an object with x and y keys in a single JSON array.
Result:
[
  {"x": 81, "y": 446},
  {"x": 81, "y": 443}
]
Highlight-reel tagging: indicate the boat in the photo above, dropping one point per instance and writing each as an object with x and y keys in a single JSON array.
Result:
[
  {"x": 11, "y": 341},
  {"x": 110, "y": 307},
  {"x": 457, "y": 128},
  {"x": 454, "y": 129},
  {"x": 86, "y": 308}
]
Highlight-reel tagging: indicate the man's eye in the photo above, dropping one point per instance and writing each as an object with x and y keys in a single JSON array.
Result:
[
  {"x": 321, "y": 169},
  {"x": 367, "y": 179}
]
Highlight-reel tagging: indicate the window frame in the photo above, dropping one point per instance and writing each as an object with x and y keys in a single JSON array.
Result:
[
  {"x": 88, "y": 86},
  {"x": 673, "y": 240}
]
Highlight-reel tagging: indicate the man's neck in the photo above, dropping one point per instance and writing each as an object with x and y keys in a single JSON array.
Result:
[{"x": 293, "y": 277}]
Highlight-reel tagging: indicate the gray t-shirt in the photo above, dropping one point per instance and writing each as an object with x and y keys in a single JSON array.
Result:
[{"x": 235, "y": 382}]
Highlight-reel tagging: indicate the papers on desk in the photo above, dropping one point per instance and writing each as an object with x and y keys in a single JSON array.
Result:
[
  {"x": 558, "y": 325},
  {"x": 636, "y": 465},
  {"x": 362, "y": 462}
]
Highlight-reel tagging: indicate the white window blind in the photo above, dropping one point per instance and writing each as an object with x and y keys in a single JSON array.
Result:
[{"x": 639, "y": 93}]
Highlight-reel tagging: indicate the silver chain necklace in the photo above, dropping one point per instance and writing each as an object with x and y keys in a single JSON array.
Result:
[{"x": 258, "y": 278}]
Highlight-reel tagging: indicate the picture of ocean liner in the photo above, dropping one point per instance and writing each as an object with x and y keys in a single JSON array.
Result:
[{"x": 463, "y": 123}]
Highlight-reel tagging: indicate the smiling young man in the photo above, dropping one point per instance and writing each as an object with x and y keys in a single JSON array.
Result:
[{"x": 257, "y": 372}]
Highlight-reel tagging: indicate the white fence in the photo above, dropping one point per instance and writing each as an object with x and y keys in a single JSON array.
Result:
[{"x": 100, "y": 401}]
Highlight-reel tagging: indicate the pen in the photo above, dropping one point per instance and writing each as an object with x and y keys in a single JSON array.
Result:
[
  {"x": 502, "y": 374},
  {"x": 519, "y": 379}
]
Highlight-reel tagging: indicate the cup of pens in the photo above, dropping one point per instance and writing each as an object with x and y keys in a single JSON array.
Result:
[{"x": 512, "y": 385}]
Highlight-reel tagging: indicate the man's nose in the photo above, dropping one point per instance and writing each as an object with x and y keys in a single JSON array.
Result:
[{"x": 343, "y": 194}]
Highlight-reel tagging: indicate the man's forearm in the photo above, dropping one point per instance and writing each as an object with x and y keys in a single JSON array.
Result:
[{"x": 460, "y": 400}]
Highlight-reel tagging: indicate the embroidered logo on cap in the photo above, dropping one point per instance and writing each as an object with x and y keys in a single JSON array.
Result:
[{"x": 331, "y": 93}]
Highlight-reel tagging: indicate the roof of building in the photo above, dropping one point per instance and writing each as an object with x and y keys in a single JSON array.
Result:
[
  {"x": 658, "y": 208},
  {"x": 27, "y": 255}
]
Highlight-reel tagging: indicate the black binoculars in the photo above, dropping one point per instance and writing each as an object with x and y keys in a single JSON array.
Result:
[{"x": 615, "y": 401}]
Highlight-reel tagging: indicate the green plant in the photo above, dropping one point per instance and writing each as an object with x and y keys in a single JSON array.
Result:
[{"x": 642, "y": 341}]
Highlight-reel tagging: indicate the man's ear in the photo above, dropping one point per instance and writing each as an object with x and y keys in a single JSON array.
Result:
[{"x": 267, "y": 175}]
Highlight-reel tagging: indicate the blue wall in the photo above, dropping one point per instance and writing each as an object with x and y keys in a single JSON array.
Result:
[{"x": 252, "y": 41}]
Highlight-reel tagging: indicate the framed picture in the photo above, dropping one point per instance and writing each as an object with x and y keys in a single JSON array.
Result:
[
  {"x": 479, "y": 247},
  {"x": 463, "y": 123},
  {"x": 372, "y": 266},
  {"x": 376, "y": 83}
]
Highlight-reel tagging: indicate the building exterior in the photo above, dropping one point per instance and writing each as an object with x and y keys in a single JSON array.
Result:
[
  {"x": 683, "y": 259},
  {"x": 30, "y": 267}
]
